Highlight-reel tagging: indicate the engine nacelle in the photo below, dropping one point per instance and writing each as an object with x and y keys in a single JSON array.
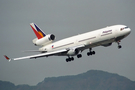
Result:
[
  {"x": 44, "y": 41},
  {"x": 73, "y": 52}
]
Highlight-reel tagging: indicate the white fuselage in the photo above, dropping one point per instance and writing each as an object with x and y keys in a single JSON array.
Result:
[
  {"x": 76, "y": 44},
  {"x": 100, "y": 37}
]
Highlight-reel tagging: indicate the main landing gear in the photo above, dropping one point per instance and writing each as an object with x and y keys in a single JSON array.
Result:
[
  {"x": 69, "y": 59},
  {"x": 80, "y": 55},
  {"x": 90, "y": 52},
  {"x": 72, "y": 58}
]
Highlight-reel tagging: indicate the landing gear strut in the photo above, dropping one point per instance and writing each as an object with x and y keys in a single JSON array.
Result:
[{"x": 90, "y": 52}]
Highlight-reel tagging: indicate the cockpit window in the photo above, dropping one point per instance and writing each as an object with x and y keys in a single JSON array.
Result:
[
  {"x": 126, "y": 27},
  {"x": 123, "y": 28}
]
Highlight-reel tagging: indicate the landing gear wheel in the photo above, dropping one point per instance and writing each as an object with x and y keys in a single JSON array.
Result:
[
  {"x": 69, "y": 59},
  {"x": 72, "y": 59},
  {"x": 93, "y": 52},
  {"x": 88, "y": 53},
  {"x": 119, "y": 46},
  {"x": 79, "y": 55}
]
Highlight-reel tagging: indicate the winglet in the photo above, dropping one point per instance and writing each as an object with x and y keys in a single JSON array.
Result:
[
  {"x": 38, "y": 32},
  {"x": 7, "y": 58}
]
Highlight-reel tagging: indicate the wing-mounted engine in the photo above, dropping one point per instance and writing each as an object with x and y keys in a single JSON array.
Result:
[
  {"x": 73, "y": 52},
  {"x": 45, "y": 40}
]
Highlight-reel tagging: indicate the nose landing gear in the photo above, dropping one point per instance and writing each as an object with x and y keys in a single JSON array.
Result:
[{"x": 119, "y": 46}]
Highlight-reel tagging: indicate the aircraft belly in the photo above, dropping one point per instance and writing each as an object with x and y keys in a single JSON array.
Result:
[
  {"x": 107, "y": 41},
  {"x": 120, "y": 38}
]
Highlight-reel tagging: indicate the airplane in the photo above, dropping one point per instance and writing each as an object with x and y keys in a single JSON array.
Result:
[{"x": 73, "y": 46}]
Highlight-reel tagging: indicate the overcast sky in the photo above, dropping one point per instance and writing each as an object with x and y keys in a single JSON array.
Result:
[{"x": 63, "y": 18}]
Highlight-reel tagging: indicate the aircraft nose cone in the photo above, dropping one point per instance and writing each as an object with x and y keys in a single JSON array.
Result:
[{"x": 128, "y": 30}]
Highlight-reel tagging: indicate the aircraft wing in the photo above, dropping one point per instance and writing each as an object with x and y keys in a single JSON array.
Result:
[
  {"x": 57, "y": 52},
  {"x": 38, "y": 55}
]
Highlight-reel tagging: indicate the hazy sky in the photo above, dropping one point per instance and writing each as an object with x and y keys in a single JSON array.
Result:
[{"x": 63, "y": 18}]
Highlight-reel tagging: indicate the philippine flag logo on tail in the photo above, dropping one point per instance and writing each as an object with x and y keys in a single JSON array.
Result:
[{"x": 38, "y": 32}]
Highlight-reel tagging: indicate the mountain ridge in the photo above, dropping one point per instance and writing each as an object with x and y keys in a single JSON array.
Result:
[{"x": 90, "y": 80}]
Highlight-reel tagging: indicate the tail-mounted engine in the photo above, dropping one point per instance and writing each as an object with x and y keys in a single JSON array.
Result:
[{"x": 45, "y": 40}]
